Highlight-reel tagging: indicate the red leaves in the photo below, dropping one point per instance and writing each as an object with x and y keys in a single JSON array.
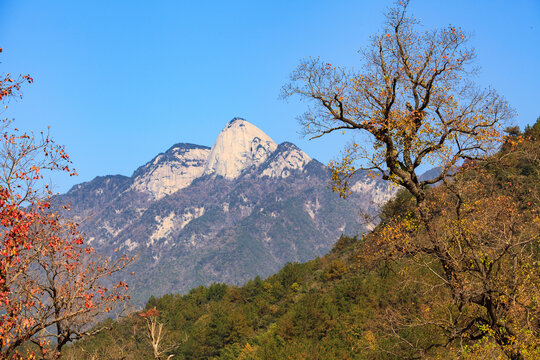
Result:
[
  {"x": 153, "y": 312},
  {"x": 48, "y": 276},
  {"x": 88, "y": 303},
  {"x": 10, "y": 86}
]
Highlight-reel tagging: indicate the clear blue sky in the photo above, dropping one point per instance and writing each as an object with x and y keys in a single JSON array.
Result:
[{"x": 120, "y": 81}]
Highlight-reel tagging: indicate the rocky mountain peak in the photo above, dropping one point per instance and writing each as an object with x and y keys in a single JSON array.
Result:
[
  {"x": 171, "y": 171},
  {"x": 286, "y": 158},
  {"x": 239, "y": 146},
  {"x": 235, "y": 119}
]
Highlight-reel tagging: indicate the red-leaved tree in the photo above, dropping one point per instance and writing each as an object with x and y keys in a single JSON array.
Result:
[{"x": 53, "y": 287}]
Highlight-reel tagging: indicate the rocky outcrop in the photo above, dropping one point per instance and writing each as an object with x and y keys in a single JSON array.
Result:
[
  {"x": 239, "y": 146},
  {"x": 283, "y": 161},
  {"x": 171, "y": 171}
]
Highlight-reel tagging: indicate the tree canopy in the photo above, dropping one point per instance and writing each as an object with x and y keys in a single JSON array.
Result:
[
  {"x": 412, "y": 102},
  {"x": 53, "y": 286}
]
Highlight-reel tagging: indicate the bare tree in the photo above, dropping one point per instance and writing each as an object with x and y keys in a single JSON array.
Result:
[{"x": 157, "y": 335}]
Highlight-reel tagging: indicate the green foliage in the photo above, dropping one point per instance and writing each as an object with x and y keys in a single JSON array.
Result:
[
  {"x": 401, "y": 205},
  {"x": 336, "y": 270},
  {"x": 343, "y": 243},
  {"x": 215, "y": 292}
]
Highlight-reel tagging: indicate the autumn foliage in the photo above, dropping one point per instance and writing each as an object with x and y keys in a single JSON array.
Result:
[
  {"x": 475, "y": 263},
  {"x": 468, "y": 246},
  {"x": 53, "y": 286},
  {"x": 412, "y": 103},
  {"x": 10, "y": 86}
]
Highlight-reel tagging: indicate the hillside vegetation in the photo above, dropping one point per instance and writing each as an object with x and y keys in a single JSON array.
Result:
[{"x": 386, "y": 295}]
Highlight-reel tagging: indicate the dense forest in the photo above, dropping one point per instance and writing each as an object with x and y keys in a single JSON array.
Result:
[{"x": 385, "y": 295}]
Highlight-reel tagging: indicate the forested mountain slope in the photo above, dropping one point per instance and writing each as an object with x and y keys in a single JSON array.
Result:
[{"x": 381, "y": 296}]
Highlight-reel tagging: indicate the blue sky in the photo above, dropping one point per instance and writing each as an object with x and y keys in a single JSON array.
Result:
[{"x": 120, "y": 81}]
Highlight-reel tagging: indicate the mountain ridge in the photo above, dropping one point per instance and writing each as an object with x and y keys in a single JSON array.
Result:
[
  {"x": 191, "y": 228},
  {"x": 239, "y": 145}
]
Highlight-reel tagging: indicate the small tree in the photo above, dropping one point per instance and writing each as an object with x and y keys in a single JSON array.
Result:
[
  {"x": 52, "y": 286},
  {"x": 413, "y": 102},
  {"x": 76, "y": 289},
  {"x": 157, "y": 336}
]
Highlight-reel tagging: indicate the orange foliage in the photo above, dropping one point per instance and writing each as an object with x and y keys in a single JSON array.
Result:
[{"x": 52, "y": 285}]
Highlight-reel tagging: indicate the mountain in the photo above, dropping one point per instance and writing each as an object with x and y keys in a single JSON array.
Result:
[
  {"x": 171, "y": 171},
  {"x": 197, "y": 215},
  {"x": 239, "y": 146}
]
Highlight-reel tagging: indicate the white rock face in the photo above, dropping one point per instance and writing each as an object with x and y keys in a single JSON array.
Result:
[
  {"x": 191, "y": 214},
  {"x": 172, "y": 171},
  {"x": 289, "y": 158},
  {"x": 380, "y": 193},
  {"x": 240, "y": 145},
  {"x": 166, "y": 225},
  {"x": 130, "y": 245},
  {"x": 312, "y": 208}
]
